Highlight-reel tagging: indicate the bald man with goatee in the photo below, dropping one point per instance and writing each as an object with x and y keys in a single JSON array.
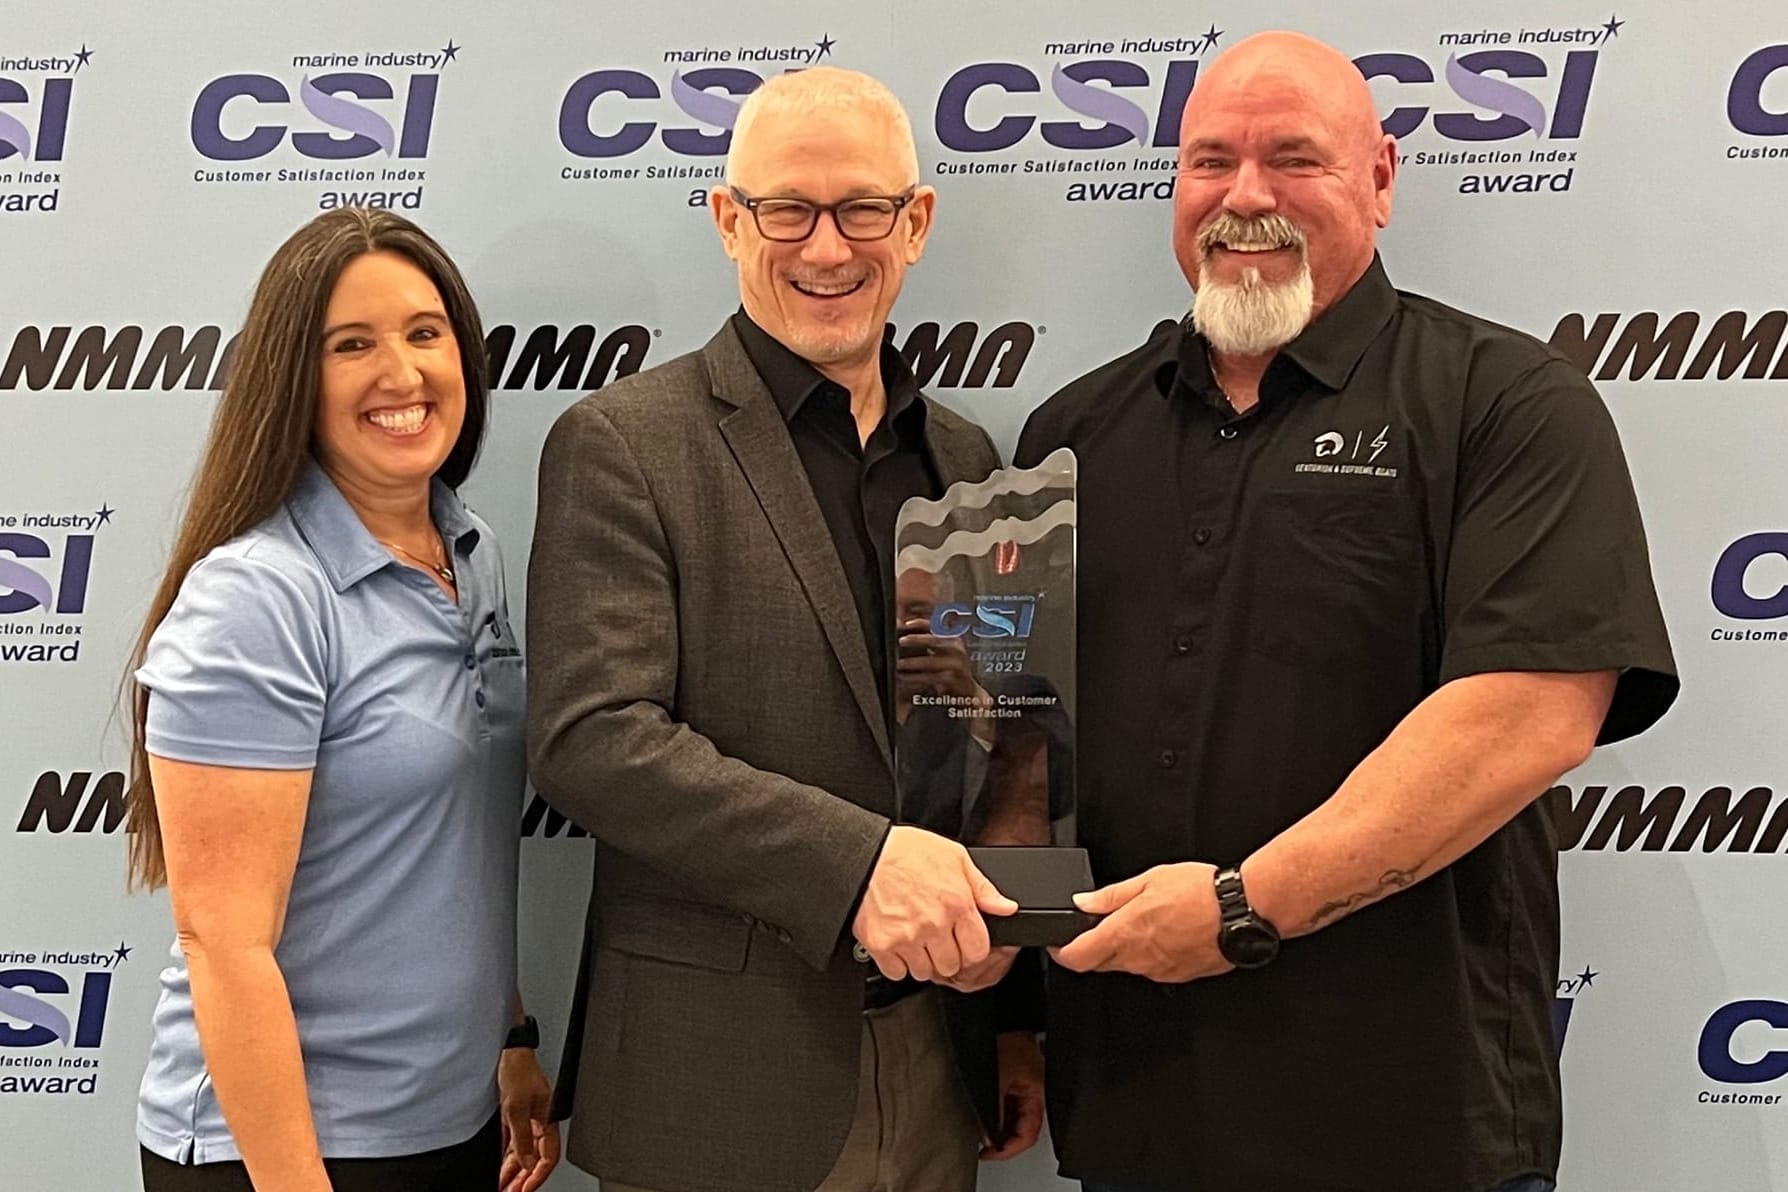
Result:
[
  {"x": 1360, "y": 577},
  {"x": 710, "y": 614}
]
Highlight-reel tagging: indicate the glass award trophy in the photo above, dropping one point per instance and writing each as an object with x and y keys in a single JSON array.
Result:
[{"x": 984, "y": 687}]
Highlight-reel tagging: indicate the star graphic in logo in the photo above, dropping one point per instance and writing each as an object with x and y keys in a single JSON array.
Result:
[
  {"x": 122, "y": 954},
  {"x": 81, "y": 58},
  {"x": 1612, "y": 28},
  {"x": 1586, "y": 978},
  {"x": 104, "y": 514},
  {"x": 1210, "y": 38},
  {"x": 449, "y": 51},
  {"x": 825, "y": 44}
]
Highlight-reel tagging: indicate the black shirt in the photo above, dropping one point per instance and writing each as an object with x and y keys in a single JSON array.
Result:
[
  {"x": 1419, "y": 495},
  {"x": 859, "y": 486}
]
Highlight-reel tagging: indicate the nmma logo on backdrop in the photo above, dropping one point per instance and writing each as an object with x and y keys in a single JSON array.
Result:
[
  {"x": 36, "y": 98},
  {"x": 1757, "y": 106},
  {"x": 573, "y": 356},
  {"x": 357, "y": 123},
  {"x": 53, "y": 1007},
  {"x": 1669, "y": 819},
  {"x": 1686, "y": 346},
  {"x": 74, "y": 803},
  {"x": 670, "y": 121},
  {"x": 568, "y": 357},
  {"x": 46, "y": 563}
]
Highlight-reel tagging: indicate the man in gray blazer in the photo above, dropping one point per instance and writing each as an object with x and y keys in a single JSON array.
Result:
[{"x": 711, "y": 668}]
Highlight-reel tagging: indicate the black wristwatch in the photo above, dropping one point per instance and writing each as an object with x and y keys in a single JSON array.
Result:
[
  {"x": 1245, "y": 939},
  {"x": 526, "y": 1035}
]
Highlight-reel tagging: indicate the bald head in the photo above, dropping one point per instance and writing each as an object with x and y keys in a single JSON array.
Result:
[
  {"x": 1290, "y": 67},
  {"x": 790, "y": 99}
]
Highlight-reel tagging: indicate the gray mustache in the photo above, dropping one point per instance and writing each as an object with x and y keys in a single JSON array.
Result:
[{"x": 1259, "y": 229}]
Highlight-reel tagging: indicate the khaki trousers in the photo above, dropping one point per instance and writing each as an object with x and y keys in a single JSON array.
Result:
[{"x": 914, "y": 1129}]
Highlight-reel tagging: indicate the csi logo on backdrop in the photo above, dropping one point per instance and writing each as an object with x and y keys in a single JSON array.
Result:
[
  {"x": 358, "y": 123},
  {"x": 1095, "y": 119},
  {"x": 53, "y": 1007},
  {"x": 1564, "y": 1001},
  {"x": 1757, "y": 105},
  {"x": 36, "y": 98},
  {"x": 1750, "y": 583},
  {"x": 1114, "y": 109},
  {"x": 46, "y": 563},
  {"x": 1745, "y": 1043},
  {"x": 679, "y": 112},
  {"x": 1508, "y": 103}
]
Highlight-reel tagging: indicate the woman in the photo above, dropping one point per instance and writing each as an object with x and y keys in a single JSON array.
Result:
[{"x": 328, "y": 759}]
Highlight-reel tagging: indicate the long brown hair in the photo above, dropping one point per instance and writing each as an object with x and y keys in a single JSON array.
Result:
[{"x": 261, "y": 433}]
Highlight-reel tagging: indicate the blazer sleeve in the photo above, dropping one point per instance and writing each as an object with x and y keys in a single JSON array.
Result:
[{"x": 603, "y": 745}]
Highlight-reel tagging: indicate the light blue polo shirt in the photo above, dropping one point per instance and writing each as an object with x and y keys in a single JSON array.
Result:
[{"x": 303, "y": 644}]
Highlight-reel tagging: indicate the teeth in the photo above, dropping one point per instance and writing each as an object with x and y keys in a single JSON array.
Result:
[
  {"x": 827, "y": 289},
  {"x": 405, "y": 421}
]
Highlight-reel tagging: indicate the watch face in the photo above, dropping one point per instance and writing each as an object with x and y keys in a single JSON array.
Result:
[{"x": 1248, "y": 945}]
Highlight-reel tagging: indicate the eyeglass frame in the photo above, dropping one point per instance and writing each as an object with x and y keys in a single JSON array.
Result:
[{"x": 751, "y": 203}]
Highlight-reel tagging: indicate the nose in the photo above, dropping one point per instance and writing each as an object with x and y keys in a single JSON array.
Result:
[
  {"x": 1250, "y": 191},
  {"x": 399, "y": 369},
  {"x": 826, "y": 247}
]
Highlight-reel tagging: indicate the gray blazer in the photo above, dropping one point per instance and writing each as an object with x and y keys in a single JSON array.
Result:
[{"x": 700, "y": 700}]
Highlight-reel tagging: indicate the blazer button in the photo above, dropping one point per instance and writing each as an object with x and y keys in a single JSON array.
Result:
[{"x": 783, "y": 935}]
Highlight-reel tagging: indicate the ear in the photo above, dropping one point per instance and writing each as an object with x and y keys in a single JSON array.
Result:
[
  {"x": 1384, "y": 179},
  {"x": 726, "y": 219},
  {"x": 919, "y": 214}
]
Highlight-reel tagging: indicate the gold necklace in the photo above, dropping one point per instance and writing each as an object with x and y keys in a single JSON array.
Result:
[{"x": 444, "y": 572}]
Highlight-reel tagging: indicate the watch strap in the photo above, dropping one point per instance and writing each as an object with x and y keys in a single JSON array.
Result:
[{"x": 524, "y": 1034}]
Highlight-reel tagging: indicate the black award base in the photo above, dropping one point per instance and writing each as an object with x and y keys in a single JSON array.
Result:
[{"x": 1043, "y": 882}]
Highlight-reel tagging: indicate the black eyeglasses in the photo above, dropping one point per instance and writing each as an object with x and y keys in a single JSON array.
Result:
[{"x": 867, "y": 217}]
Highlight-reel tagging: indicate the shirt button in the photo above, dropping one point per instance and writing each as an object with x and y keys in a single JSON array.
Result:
[
  {"x": 1167, "y": 757},
  {"x": 1182, "y": 644},
  {"x": 478, "y": 698},
  {"x": 471, "y": 662},
  {"x": 1227, "y": 432},
  {"x": 1201, "y": 536}
]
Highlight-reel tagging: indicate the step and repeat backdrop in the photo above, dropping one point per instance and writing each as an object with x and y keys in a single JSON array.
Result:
[{"x": 1612, "y": 181}]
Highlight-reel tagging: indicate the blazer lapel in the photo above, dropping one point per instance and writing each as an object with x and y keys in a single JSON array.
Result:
[
  {"x": 956, "y": 456},
  {"x": 759, "y": 440}
]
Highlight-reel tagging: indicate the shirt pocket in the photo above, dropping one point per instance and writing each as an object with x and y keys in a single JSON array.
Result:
[{"x": 1335, "y": 579}]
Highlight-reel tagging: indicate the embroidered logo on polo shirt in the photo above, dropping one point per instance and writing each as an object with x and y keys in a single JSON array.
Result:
[{"x": 1339, "y": 453}]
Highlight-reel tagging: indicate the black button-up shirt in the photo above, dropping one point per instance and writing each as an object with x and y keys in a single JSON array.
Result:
[
  {"x": 1419, "y": 495},
  {"x": 860, "y": 486}
]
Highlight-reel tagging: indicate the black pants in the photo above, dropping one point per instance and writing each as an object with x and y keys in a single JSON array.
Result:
[{"x": 470, "y": 1166}]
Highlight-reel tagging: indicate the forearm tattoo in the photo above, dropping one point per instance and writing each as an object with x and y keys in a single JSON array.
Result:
[{"x": 1392, "y": 881}]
